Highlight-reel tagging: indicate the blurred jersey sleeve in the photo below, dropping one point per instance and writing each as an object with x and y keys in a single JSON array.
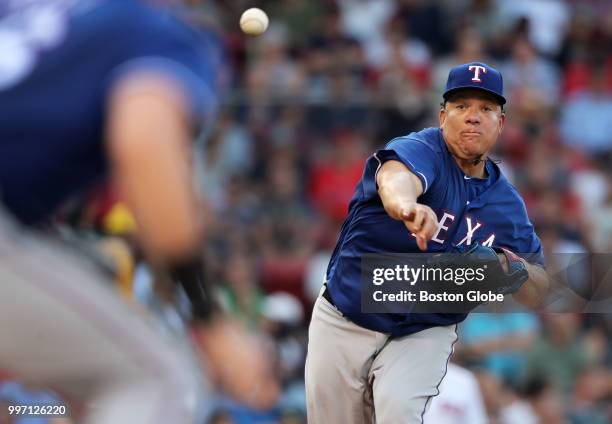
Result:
[{"x": 150, "y": 41}]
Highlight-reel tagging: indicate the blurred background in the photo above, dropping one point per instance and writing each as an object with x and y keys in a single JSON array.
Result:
[{"x": 329, "y": 83}]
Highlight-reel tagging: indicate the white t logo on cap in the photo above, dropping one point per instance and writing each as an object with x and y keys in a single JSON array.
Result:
[{"x": 477, "y": 69}]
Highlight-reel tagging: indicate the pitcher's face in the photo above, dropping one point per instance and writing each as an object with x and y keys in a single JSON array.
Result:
[{"x": 471, "y": 122}]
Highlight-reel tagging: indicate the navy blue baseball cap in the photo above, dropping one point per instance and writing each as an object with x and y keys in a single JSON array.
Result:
[{"x": 476, "y": 75}]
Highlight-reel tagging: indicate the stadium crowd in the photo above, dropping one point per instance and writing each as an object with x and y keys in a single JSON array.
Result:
[{"x": 329, "y": 83}]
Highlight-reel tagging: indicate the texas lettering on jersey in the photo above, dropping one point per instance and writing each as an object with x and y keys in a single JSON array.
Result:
[
  {"x": 471, "y": 226},
  {"x": 28, "y": 28}
]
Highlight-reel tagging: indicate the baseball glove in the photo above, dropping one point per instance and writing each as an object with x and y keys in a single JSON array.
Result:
[{"x": 497, "y": 279}]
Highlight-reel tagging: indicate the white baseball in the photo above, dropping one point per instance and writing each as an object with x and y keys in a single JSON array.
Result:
[{"x": 254, "y": 21}]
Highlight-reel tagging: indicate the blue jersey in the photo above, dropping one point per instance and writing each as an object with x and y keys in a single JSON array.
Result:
[
  {"x": 489, "y": 211},
  {"x": 59, "y": 62}
]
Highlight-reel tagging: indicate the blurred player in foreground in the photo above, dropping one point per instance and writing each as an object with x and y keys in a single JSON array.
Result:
[
  {"x": 90, "y": 89},
  {"x": 428, "y": 191}
]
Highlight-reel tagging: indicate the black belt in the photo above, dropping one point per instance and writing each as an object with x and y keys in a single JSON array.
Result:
[{"x": 327, "y": 296}]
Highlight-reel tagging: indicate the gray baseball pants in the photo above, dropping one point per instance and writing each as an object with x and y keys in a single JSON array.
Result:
[
  {"x": 63, "y": 327},
  {"x": 359, "y": 376}
]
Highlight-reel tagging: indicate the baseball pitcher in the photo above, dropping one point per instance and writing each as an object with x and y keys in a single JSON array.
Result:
[{"x": 431, "y": 191}]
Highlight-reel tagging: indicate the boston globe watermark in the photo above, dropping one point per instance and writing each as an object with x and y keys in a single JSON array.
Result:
[
  {"x": 422, "y": 283},
  {"x": 431, "y": 274}
]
